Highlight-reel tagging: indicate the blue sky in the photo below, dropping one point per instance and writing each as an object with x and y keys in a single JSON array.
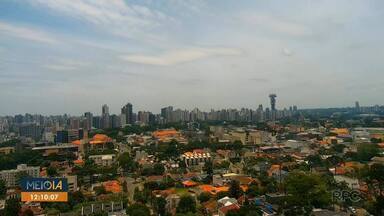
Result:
[{"x": 60, "y": 56}]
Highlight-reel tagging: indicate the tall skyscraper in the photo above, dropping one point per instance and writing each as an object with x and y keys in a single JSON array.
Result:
[
  {"x": 88, "y": 120},
  {"x": 260, "y": 113},
  {"x": 357, "y": 106},
  {"x": 166, "y": 113},
  {"x": 272, "y": 98},
  {"x": 127, "y": 113},
  {"x": 105, "y": 119}
]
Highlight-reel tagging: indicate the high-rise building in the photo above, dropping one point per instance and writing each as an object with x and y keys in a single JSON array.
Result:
[
  {"x": 31, "y": 130},
  {"x": 127, "y": 113},
  {"x": 144, "y": 117},
  {"x": 272, "y": 98},
  {"x": 105, "y": 119},
  {"x": 88, "y": 123},
  {"x": 115, "y": 121},
  {"x": 74, "y": 123},
  {"x": 260, "y": 113},
  {"x": 166, "y": 113},
  {"x": 96, "y": 122},
  {"x": 357, "y": 106}
]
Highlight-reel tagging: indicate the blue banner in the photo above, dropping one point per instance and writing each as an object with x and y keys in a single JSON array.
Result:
[{"x": 44, "y": 184}]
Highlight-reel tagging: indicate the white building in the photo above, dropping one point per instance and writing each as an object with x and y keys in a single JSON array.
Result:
[
  {"x": 72, "y": 182},
  {"x": 195, "y": 158},
  {"x": 10, "y": 176},
  {"x": 103, "y": 160}
]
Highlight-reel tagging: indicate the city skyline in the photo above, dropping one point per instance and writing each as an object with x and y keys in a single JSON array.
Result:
[
  {"x": 61, "y": 57},
  {"x": 133, "y": 110}
]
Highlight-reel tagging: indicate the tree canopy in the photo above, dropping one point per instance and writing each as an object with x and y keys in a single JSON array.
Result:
[{"x": 187, "y": 204}]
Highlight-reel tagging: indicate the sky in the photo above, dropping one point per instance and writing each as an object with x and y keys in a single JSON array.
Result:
[{"x": 60, "y": 56}]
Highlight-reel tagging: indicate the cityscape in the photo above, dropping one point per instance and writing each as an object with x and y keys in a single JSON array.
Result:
[
  {"x": 199, "y": 163},
  {"x": 191, "y": 108}
]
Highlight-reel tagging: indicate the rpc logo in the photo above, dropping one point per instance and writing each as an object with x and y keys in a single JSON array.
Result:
[{"x": 345, "y": 195}]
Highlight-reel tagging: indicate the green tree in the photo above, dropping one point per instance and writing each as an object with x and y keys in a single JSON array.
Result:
[
  {"x": 254, "y": 190},
  {"x": 306, "y": 191},
  {"x": 339, "y": 148},
  {"x": 246, "y": 210},
  {"x": 158, "y": 169},
  {"x": 208, "y": 168},
  {"x": 366, "y": 151},
  {"x": 138, "y": 210},
  {"x": 127, "y": 163},
  {"x": 172, "y": 151},
  {"x": 187, "y": 204},
  {"x": 100, "y": 190},
  {"x": 12, "y": 207},
  {"x": 378, "y": 206},
  {"x": 51, "y": 171},
  {"x": 235, "y": 190},
  {"x": 375, "y": 140},
  {"x": 139, "y": 196},
  {"x": 204, "y": 197},
  {"x": 3, "y": 189},
  {"x": 75, "y": 198},
  {"x": 159, "y": 206}
]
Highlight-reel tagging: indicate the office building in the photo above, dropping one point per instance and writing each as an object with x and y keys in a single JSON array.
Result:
[
  {"x": 88, "y": 121},
  {"x": 33, "y": 131},
  {"x": 105, "y": 118},
  {"x": 272, "y": 98},
  {"x": 127, "y": 111},
  {"x": 10, "y": 176},
  {"x": 166, "y": 113}
]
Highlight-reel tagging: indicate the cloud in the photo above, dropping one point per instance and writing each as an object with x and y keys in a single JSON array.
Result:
[
  {"x": 117, "y": 16},
  {"x": 26, "y": 33},
  {"x": 259, "y": 80},
  {"x": 287, "y": 52},
  {"x": 66, "y": 65},
  {"x": 180, "y": 56},
  {"x": 276, "y": 25}
]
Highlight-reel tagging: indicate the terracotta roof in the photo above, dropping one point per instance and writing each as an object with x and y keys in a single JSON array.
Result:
[
  {"x": 189, "y": 183},
  {"x": 226, "y": 209},
  {"x": 165, "y": 133},
  {"x": 100, "y": 139},
  {"x": 210, "y": 205},
  {"x": 78, "y": 162},
  {"x": 213, "y": 190},
  {"x": 244, "y": 180},
  {"x": 273, "y": 168},
  {"x": 112, "y": 186},
  {"x": 77, "y": 142}
]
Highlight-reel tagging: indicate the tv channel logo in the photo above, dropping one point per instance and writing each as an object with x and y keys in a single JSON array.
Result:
[{"x": 44, "y": 189}]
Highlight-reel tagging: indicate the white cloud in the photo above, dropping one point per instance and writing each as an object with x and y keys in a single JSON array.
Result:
[
  {"x": 65, "y": 65},
  {"x": 287, "y": 52},
  {"x": 276, "y": 25},
  {"x": 180, "y": 56},
  {"x": 117, "y": 16},
  {"x": 26, "y": 33}
]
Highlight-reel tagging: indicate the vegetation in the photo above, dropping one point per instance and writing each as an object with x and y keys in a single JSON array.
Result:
[
  {"x": 204, "y": 197},
  {"x": 187, "y": 204},
  {"x": 12, "y": 207},
  {"x": 3, "y": 189},
  {"x": 305, "y": 192},
  {"x": 10, "y": 161},
  {"x": 138, "y": 210}
]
